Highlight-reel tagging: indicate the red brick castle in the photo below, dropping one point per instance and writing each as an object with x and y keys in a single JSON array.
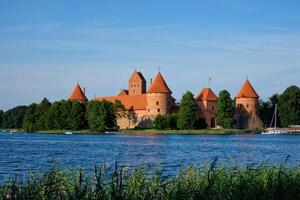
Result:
[{"x": 144, "y": 105}]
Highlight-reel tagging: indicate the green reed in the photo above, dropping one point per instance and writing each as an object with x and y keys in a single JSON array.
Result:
[{"x": 191, "y": 183}]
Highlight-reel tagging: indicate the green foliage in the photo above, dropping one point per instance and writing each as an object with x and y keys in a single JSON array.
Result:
[
  {"x": 187, "y": 112},
  {"x": 266, "y": 110},
  {"x": 101, "y": 115},
  {"x": 270, "y": 183},
  {"x": 165, "y": 122},
  {"x": 289, "y": 106},
  {"x": 13, "y": 118},
  {"x": 29, "y": 120},
  {"x": 225, "y": 110},
  {"x": 1, "y": 118},
  {"x": 41, "y": 114}
]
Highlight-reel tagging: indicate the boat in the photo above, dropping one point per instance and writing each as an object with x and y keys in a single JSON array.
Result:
[
  {"x": 275, "y": 130},
  {"x": 68, "y": 133}
]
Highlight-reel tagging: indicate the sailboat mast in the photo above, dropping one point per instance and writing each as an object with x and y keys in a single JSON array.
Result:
[{"x": 275, "y": 123}]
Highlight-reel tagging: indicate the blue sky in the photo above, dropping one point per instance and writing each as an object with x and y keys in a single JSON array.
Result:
[{"x": 46, "y": 46}]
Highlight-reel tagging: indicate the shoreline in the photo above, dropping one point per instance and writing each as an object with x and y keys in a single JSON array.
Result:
[{"x": 149, "y": 131}]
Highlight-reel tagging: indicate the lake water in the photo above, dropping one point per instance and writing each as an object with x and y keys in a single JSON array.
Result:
[{"x": 22, "y": 152}]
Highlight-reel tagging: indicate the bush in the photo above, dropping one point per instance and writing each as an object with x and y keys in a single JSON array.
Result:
[{"x": 165, "y": 122}]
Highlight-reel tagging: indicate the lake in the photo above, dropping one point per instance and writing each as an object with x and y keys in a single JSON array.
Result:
[{"x": 22, "y": 152}]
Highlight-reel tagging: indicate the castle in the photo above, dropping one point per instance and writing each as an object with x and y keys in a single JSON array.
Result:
[{"x": 144, "y": 105}]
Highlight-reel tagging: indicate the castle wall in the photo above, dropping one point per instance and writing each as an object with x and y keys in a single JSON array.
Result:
[
  {"x": 136, "y": 86},
  {"x": 207, "y": 111},
  {"x": 158, "y": 103},
  {"x": 246, "y": 113},
  {"x": 135, "y": 118}
]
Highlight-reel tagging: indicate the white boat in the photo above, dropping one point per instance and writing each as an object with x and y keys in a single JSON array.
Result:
[
  {"x": 68, "y": 133},
  {"x": 275, "y": 130}
]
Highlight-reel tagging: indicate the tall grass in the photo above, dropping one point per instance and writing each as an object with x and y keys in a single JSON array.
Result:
[{"x": 192, "y": 183}]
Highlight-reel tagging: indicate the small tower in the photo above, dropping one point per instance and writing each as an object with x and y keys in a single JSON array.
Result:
[
  {"x": 78, "y": 95},
  {"x": 207, "y": 102},
  {"x": 159, "y": 97},
  {"x": 246, "y": 112},
  {"x": 136, "y": 84}
]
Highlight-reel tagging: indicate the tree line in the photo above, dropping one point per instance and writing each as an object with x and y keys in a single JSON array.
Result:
[
  {"x": 97, "y": 116},
  {"x": 100, "y": 116}
]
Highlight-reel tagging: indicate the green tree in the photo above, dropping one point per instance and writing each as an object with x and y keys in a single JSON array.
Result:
[
  {"x": 1, "y": 118},
  {"x": 101, "y": 115},
  {"x": 76, "y": 119},
  {"x": 187, "y": 112},
  {"x": 160, "y": 122},
  {"x": 266, "y": 110},
  {"x": 289, "y": 106},
  {"x": 29, "y": 121},
  {"x": 41, "y": 115},
  {"x": 225, "y": 110},
  {"x": 57, "y": 115},
  {"x": 13, "y": 118}
]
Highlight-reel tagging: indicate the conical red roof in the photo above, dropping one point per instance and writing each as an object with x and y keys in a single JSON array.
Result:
[
  {"x": 159, "y": 85},
  {"x": 247, "y": 91},
  {"x": 206, "y": 94},
  {"x": 78, "y": 94}
]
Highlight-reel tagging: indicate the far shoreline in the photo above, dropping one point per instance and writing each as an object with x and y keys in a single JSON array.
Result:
[{"x": 148, "y": 131}]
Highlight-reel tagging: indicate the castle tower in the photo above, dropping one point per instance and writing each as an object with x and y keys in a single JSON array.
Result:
[
  {"x": 207, "y": 102},
  {"x": 136, "y": 84},
  {"x": 246, "y": 112},
  {"x": 78, "y": 95},
  {"x": 159, "y": 97}
]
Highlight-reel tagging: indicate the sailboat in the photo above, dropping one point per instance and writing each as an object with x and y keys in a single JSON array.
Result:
[{"x": 275, "y": 130}]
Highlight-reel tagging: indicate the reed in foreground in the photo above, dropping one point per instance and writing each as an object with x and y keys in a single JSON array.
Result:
[{"x": 192, "y": 183}]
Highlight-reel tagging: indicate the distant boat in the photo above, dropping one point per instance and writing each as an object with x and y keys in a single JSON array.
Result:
[
  {"x": 275, "y": 130},
  {"x": 68, "y": 133}
]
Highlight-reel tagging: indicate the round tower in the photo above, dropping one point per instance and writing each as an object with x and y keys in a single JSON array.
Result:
[
  {"x": 158, "y": 97},
  {"x": 247, "y": 114}
]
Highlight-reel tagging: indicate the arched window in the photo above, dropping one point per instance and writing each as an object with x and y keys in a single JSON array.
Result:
[
  {"x": 158, "y": 110},
  {"x": 157, "y": 103}
]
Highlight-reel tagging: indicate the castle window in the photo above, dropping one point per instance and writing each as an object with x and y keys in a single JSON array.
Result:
[
  {"x": 247, "y": 105},
  {"x": 157, "y": 103},
  {"x": 213, "y": 108},
  {"x": 158, "y": 110},
  {"x": 251, "y": 112}
]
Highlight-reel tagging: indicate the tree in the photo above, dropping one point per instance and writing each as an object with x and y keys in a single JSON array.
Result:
[
  {"x": 187, "y": 112},
  {"x": 225, "y": 110},
  {"x": 29, "y": 121},
  {"x": 57, "y": 115},
  {"x": 101, "y": 115},
  {"x": 13, "y": 118},
  {"x": 1, "y": 118},
  {"x": 160, "y": 122},
  {"x": 266, "y": 110},
  {"x": 289, "y": 106},
  {"x": 41, "y": 114},
  {"x": 76, "y": 119}
]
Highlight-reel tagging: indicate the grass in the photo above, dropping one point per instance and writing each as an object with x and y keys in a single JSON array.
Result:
[{"x": 192, "y": 183}]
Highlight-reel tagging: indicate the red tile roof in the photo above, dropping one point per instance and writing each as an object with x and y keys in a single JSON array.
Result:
[
  {"x": 138, "y": 75},
  {"x": 159, "y": 85},
  {"x": 247, "y": 91},
  {"x": 123, "y": 92},
  {"x": 78, "y": 94},
  {"x": 134, "y": 102},
  {"x": 206, "y": 94}
]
